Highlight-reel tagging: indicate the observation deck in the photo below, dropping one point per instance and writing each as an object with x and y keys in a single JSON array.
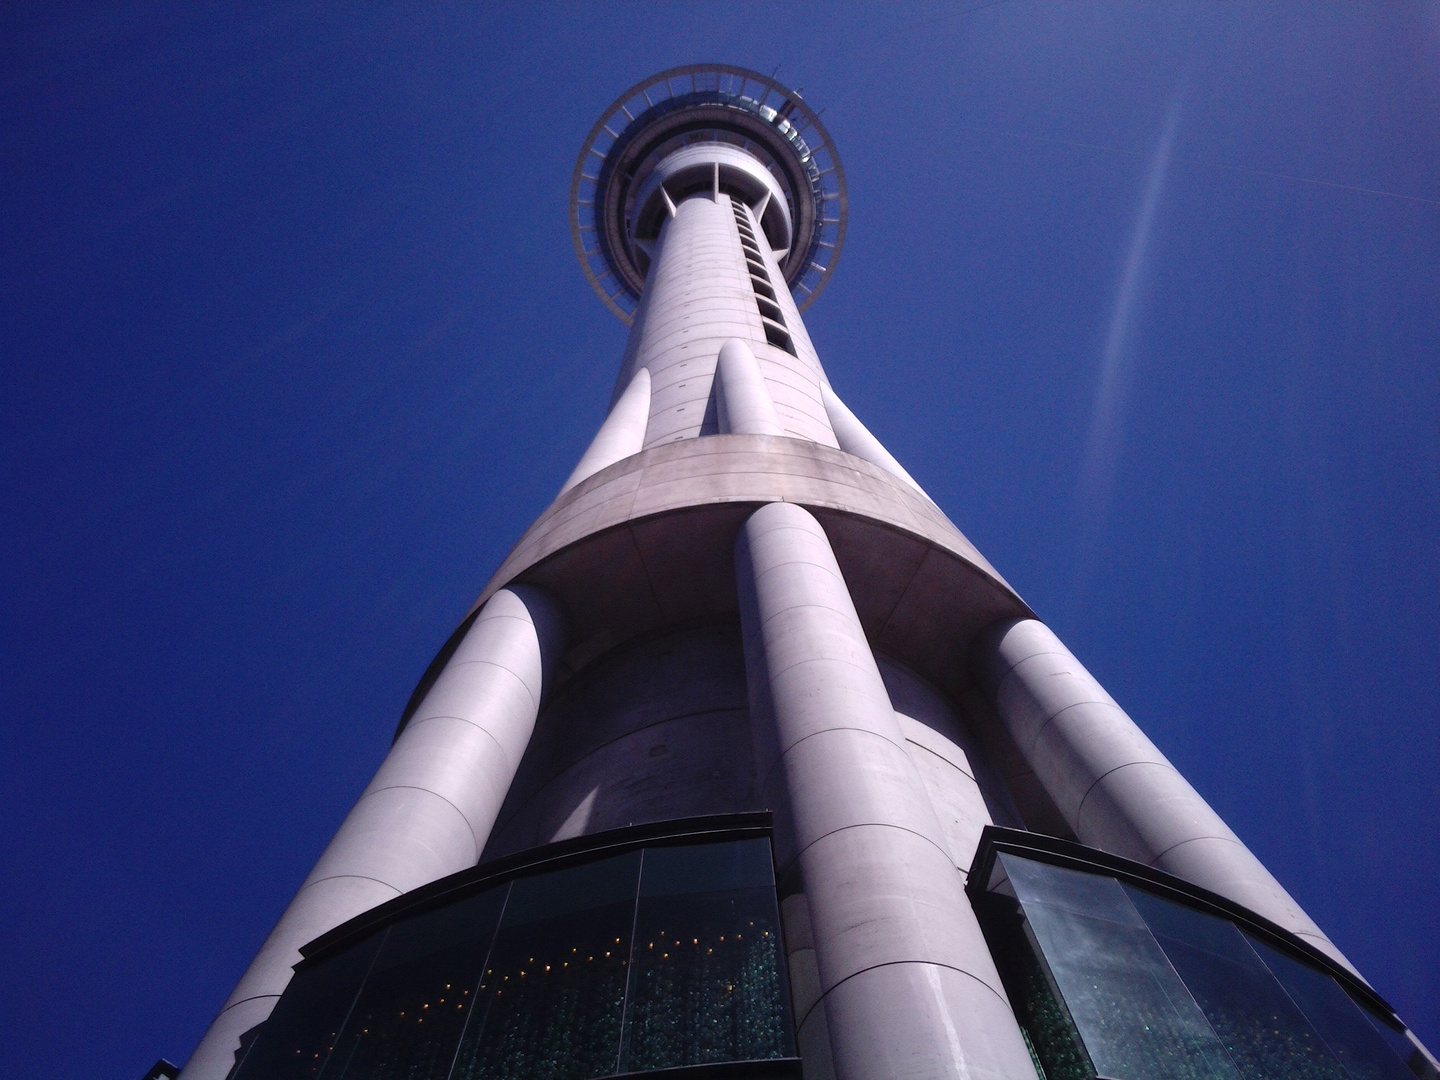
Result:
[{"x": 706, "y": 127}]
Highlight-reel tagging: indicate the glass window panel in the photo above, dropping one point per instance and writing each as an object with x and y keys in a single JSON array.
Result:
[
  {"x": 1267, "y": 1036},
  {"x": 295, "y": 1042},
  {"x": 1400, "y": 1043},
  {"x": 1133, "y": 1013},
  {"x": 1091, "y": 895},
  {"x": 708, "y": 981},
  {"x": 408, "y": 1019},
  {"x": 550, "y": 999},
  {"x": 1339, "y": 1020},
  {"x": 1042, "y": 1014}
]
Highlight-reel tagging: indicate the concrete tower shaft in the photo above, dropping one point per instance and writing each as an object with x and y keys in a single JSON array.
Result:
[
  {"x": 741, "y": 606},
  {"x": 710, "y": 283}
]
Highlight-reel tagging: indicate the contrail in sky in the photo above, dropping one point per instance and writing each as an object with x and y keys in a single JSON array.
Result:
[{"x": 1102, "y": 445}]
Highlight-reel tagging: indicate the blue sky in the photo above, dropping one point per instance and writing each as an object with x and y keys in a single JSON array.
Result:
[{"x": 295, "y": 346}]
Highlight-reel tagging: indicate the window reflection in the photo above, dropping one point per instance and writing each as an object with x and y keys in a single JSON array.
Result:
[
  {"x": 706, "y": 986},
  {"x": 295, "y": 1043},
  {"x": 554, "y": 990},
  {"x": 655, "y": 958},
  {"x": 1112, "y": 980},
  {"x": 417, "y": 998},
  {"x": 1264, "y": 1031},
  {"x": 1345, "y": 1029},
  {"x": 1131, "y": 1008}
]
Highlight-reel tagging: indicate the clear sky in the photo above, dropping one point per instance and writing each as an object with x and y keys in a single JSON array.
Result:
[{"x": 295, "y": 346}]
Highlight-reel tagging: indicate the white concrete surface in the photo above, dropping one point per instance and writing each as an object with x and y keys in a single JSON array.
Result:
[
  {"x": 1112, "y": 785},
  {"x": 428, "y": 811},
  {"x": 744, "y": 403},
  {"x": 855, "y": 438},
  {"x": 907, "y": 983},
  {"x": 941, "y": 749},
  {"x": 738, "y": 170},
  {"x": 621, "y": 435},
  {"x": 698, "y": 295}
]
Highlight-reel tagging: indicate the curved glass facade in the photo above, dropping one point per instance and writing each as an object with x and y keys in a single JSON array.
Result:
[
  {"x": 1115, "y": 980},
  {"x": 663, "y": 956}
]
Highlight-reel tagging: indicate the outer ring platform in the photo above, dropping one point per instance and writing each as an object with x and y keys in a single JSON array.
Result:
[
  {"x": 648, "y": 543},
  {"x": 695, "y": 98}
]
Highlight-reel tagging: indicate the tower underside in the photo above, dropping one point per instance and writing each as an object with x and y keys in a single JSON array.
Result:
[{"x": 747, "y": 763}]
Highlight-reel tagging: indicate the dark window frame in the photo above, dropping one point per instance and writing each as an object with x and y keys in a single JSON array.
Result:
[
  {"x": 556, "y": 856},
  {"x": 1065, "y": 853}
]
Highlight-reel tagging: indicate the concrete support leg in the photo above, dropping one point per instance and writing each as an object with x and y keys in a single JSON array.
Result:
[
  {"x": 855, "y": 438},
  {"x": 745, "y": 405},
  {"x": 621, "y": 435},
  {"x": 1112, "y": 786},
  {"x": 904, "y": 976},
  {"x": 427, "y": 812}
]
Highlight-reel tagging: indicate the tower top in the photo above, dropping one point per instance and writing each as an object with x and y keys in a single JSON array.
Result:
[{"x": 690, "y": 129}]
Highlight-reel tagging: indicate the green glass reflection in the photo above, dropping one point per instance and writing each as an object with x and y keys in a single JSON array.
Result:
[
  {"x": 1048, "y": 1029},
  {"x": 1112, "y": 980},
  {"x": 407, "y": 1021},
  {"x": 1340, "y": 1022},
  {"x": 1265, "y": 1032},
  {"x": 1133, "y": 1013},
  {"x": 550, "y": 1002},
  {"x": 707, "y": 983},
  {"x": 533, "y": 979}
]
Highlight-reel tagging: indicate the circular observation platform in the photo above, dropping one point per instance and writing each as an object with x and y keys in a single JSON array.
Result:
[{"x": 690, "y": 129}]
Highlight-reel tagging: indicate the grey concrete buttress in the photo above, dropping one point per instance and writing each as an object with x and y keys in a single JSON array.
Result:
[
  {"x": 698, "y": 296},
  {"x": 621, "y": 435},
  {"x": 899, "y": 952},
  {"x": 763, "y": 612},
  {"x": 1115, "y": 789},
  {"x": 429, "y": 809}
]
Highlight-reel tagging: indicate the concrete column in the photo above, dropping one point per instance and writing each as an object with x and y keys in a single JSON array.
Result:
[
  {"x": 427, "y": 812},
  {"x": 745, "y": 405},
  {"x": 855, "y": 438},
  {"x": 1113, "y": 787},
  {"x": 698, "y": 295},
  {"x": 621, "y": 435},
  {"x": 904, "y": 975}
]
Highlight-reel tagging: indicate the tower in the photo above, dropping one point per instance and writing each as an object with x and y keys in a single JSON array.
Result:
[{"x": 746, "y": 762}]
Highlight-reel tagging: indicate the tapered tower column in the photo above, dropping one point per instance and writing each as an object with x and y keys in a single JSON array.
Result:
[
  {"x": 1113, "y": 786},
  {"x": 900, "y": 955},
  {"x": 724, "y": 755},
  {"x": 429, "y": 809}
]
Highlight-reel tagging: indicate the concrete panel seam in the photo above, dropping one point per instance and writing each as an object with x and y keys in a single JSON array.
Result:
[
  {"x": 1080, "y": 807},
  {"x": 764, "y": 781},
  {"x": 801, "y": 607},
  {"x": 354, "y": 877},
  {"x": 1155, "y": 859},
  {"x": 498, "y": 667},
  {"x": 901, "y": 594},
  {"x": 1010, "y": 670},
  {"x": 512, "y": 766},
  {"x": 893, "y": 963},
  {"x": 1040, "y": 732},
  {"x": 429, "y": 791},
  {"x": 775, "y": 673},
  {"x": 800, "y": 562},
  {"x": 949, "y": 859},
  {"x": 640, "y": 558},
  {"x": 242, "y": 1001},
  {"x": 969, "y": 775}
]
